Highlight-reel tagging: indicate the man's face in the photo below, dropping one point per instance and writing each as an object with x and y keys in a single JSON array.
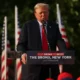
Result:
[{"x": 41, "y": 14}]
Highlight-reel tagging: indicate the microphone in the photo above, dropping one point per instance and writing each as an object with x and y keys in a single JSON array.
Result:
[{"x": 44, "y": 23}]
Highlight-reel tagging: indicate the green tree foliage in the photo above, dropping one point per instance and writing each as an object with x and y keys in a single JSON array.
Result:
[{"x": 70, "y": 10}]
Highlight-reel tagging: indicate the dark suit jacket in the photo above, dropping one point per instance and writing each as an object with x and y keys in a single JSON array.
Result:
[{"x": 30, "y": 38}]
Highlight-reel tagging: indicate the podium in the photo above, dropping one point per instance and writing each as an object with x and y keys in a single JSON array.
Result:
[
  {"x": 47, "y": 57},
  {"x": 50, "y": 57}
]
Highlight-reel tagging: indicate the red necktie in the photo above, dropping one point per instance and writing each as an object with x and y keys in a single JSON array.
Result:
[{"x": 44, "y": 39}]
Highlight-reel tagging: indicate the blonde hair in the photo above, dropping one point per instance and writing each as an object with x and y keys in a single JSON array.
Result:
[{"x": 41, "y": 5}]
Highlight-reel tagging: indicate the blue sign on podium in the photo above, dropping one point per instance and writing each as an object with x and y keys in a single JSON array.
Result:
[{"x": 50, "y": 57}]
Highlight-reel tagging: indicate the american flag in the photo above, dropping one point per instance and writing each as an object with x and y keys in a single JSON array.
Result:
[
  {"x": 17, "y": 34},
  {"x": 61, "y": 27},
  {"x": 4, "y": 55},
  {"x": 63, "y": 33},
  {"x": 3, "y": 38},
  {"x": 4, "y": 51}
]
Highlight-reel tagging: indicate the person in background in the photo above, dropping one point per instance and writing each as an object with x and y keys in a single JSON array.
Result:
[
  {"x": 78, "y": 78},
  {"x": 65, "y": 76},
  {"x": 31, "y": 39}
]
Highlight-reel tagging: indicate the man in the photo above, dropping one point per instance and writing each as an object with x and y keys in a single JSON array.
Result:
[{"x": 31, "y": 39}]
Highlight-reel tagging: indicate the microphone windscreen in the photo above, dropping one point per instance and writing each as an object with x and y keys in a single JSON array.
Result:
[{"x": 44, "y": 23}]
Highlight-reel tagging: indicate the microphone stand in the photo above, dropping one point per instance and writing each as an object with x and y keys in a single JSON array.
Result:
[{"x": 45, "y": 25}]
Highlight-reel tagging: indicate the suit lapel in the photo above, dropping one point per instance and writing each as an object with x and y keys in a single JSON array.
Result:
[{"x": 37, "y": 34}]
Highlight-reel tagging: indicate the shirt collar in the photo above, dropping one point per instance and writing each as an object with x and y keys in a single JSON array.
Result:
[{"x": 40, "y": 23}]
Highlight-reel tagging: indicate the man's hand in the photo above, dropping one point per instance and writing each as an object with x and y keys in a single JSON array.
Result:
[{"x": 24, "y": 58}]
